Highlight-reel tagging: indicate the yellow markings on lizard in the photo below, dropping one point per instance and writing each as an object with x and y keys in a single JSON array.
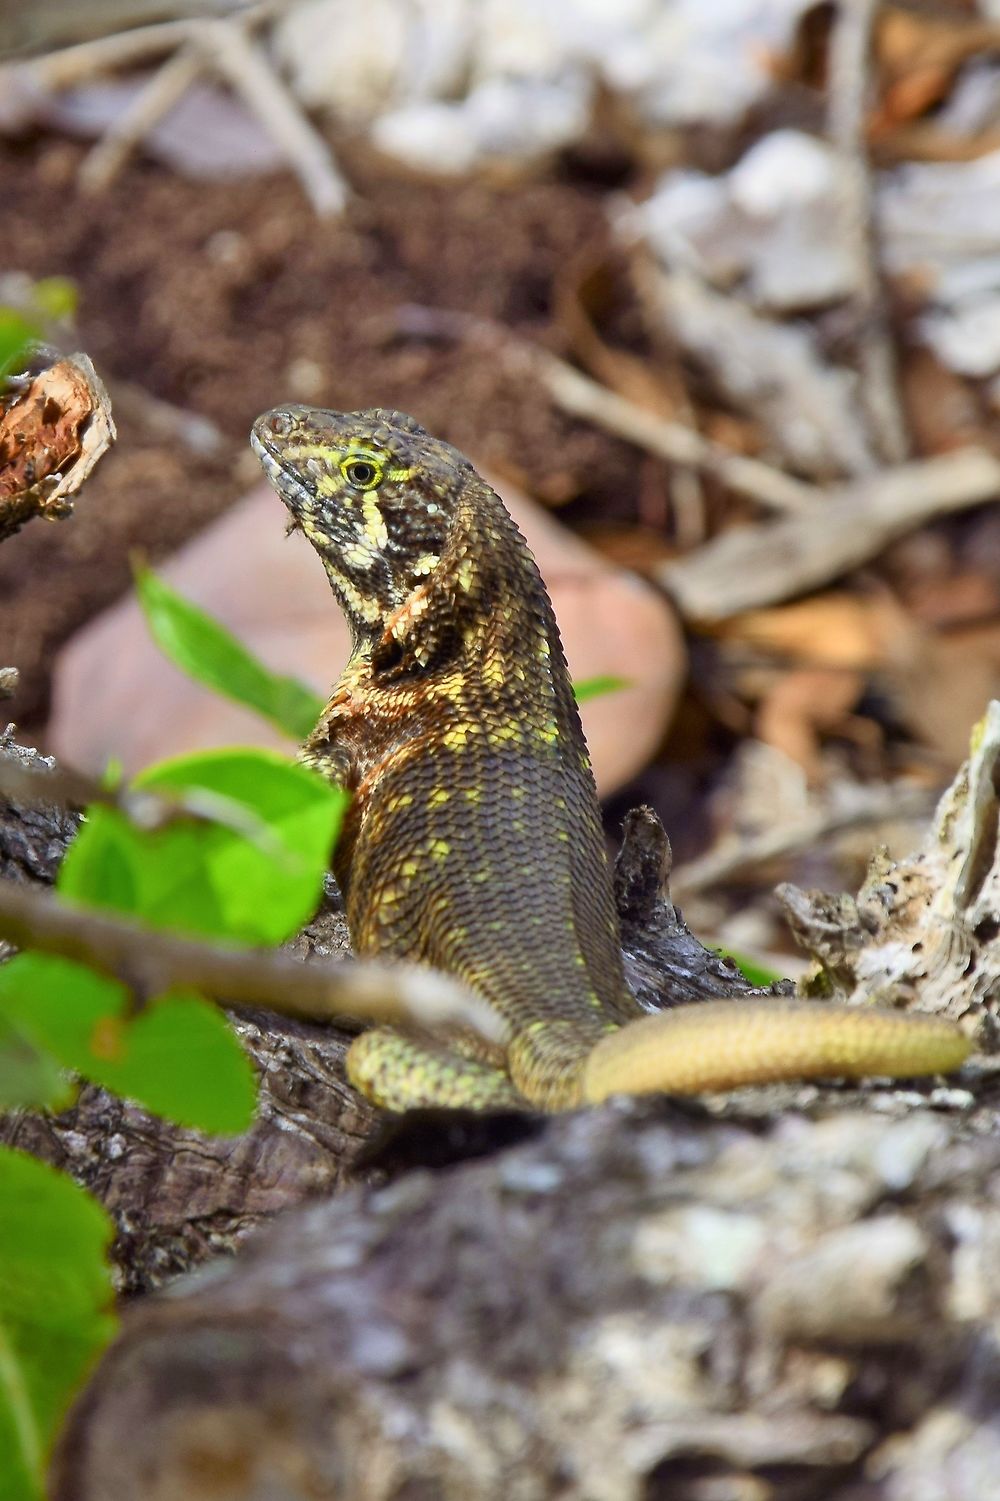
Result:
[
  {"x": 426, "y": 563},
  {"x": 505, "y": 734},
  {"x": 438, "y": 796},
  {"x": 375, "y": 527},
  {"x": 465, "y": 574},
  {"x": 457, "y": 736},
  {"x": 362, "y": 604},
  {"x": 473, "y": 795},
  {"x": 438, "y": 849}
]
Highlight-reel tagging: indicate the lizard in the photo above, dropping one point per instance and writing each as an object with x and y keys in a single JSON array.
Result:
[{"x": 473, "y": 841}]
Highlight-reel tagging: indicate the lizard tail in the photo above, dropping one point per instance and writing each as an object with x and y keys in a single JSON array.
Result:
[{"x": 725, "y": 1044}]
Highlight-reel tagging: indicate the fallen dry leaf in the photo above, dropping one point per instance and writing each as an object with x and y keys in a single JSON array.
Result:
[
  {"x": 833, "y": 630},
  {"x": 918, "y": 57},
  {"x": 802, "y": 706}
]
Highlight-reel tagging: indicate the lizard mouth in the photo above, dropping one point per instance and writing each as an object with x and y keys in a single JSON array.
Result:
[{"x": 292, "y": 490}]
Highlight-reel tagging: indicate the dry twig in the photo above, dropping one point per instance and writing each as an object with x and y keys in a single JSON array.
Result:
[
  {"x": 582, "y": 397},
  {"x": 223, "y": 45},
  {"x": 753, "y": 566},
  {"x": 735, "y": 856},
  {"x": 850, "y": 76},
  {"x": 105, "y": 160}
]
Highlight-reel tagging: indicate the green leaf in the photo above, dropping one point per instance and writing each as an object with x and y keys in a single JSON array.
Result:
[
  {"x": 598, "y": 687},
  {"x": 185, "y": 1062},
  {"x": 210, "y": 878},
  {"x": 55, "y": 1318},
  {"x": 756, "y": 973},
  {"x": 27, "y": 1075},
  {"x": 16, "y": 335},
  {"x": 206, "y": 651},
  {"x": 178, "y": 1058}
]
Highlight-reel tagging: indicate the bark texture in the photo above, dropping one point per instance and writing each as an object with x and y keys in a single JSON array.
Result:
[{"x": 641, "y": 1303}]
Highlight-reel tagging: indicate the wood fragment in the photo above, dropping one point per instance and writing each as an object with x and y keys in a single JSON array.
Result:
[
  {"x": 924, "y": 927},
  {"x": 53, "y": 430}
]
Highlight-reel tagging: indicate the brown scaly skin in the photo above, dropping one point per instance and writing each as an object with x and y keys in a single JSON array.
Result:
[{"x": 474, "y": 839}]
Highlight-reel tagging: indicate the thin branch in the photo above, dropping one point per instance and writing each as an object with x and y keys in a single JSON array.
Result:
[
  {"x": 41, "y": 784},
  {"x": 69, "y": 66},
  {"x": 735, "y": 856},
  {"x": 157, "y": 98},
  {"x": 750, "y": 567},
  {"x": 850, "y": 78},
  {"x": 150, "y": 960},
  {"x": 582, "y": 397},
  {"x": 248, "y": 71}
]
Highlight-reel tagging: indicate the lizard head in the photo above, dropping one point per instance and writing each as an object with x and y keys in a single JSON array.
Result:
[
  {"x": 422, "y": 554},
  {"x": 376, "y": 495}
]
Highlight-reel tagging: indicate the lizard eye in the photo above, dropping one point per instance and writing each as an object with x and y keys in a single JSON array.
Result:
[{"x": 363, "y": 474}]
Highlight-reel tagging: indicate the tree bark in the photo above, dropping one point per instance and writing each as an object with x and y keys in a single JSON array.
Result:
[{"x": 643, "y": 1302}]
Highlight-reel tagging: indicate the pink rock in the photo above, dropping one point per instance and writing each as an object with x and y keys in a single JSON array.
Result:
[{"x": 116, "y": 696}]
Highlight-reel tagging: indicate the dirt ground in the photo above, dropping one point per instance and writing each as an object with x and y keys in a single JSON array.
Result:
[{"x": 224, "y": 300}]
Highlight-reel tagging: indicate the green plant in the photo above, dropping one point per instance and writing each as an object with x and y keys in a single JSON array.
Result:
[{"x": 237, "y": 852}]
